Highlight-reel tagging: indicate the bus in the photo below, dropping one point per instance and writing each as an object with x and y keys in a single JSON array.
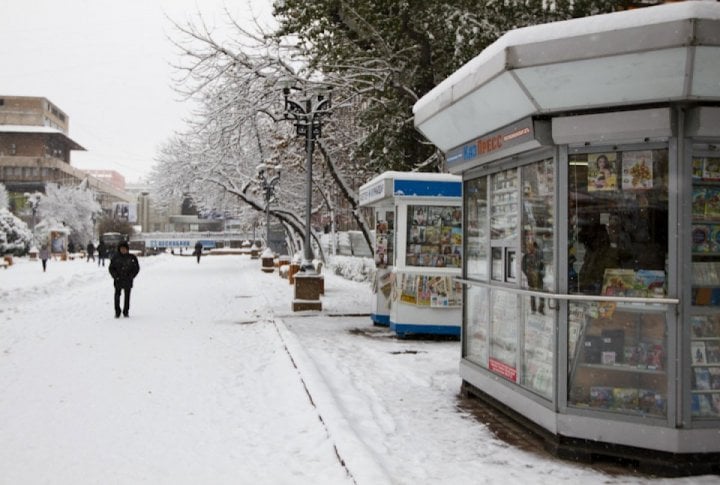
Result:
[{"x": 111, "y": 240}]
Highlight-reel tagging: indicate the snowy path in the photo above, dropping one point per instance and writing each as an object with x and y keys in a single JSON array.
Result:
[
  {"x": 214, "y": 380},
  {"x": 178, "y": 393}
]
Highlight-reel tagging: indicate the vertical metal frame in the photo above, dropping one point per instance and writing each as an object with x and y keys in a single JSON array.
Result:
[{"x": 562, "y": 171}]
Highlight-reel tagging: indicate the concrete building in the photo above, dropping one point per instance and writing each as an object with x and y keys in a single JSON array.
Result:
[{"x": 35, "y": 150}]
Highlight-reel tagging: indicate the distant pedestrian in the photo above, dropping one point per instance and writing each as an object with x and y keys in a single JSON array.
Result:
[
  {"x": 71, "y": 247},
  {"x": 44, "y": 256},
  {"x": 90, "y": 251},
  {"x": 198, "y": 250},
  {"x": 102, "y": 253},
  {"x": 123, "y": 267}
]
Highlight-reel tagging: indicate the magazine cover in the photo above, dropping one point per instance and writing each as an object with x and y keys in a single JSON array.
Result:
[
  {"x": 408, "y": 289},
  {"x": 698, "y": 167},
  {"x": 625, "y": 398},
  {"x": 712, "y": 352},
  {"x": 602, "y": 172},
  {"x": 650, "y": 283},
  {"x": 700, "y": 234},
  {"x": 698, "y": 352},
  {"x": 698, "y": 201},
  {"x": 618, "y": 282},
  {"x": 702, "y": 379},
  {"x": 637, "y": 170},
  {"x": 699, "y": 323},
  {"x": 601, "y": 397},
  {"x": 710, "y": 170},
  {"x": 712, "y": 203},
  {"x": 714, "y": 378}
]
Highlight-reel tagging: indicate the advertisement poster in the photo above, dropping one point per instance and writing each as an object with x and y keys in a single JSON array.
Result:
[
  {"x": 637, "y": 170},
  {"x": 602, "y": 172}
]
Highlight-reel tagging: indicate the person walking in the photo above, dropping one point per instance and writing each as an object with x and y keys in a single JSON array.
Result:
[
  {"x": 123, "y": 267},
  {"x": 44, "y": 256},
  {"x": 102, "y": 253},
  {"x": 90, "y": 251},
  {"x": 198, "y": 250}
]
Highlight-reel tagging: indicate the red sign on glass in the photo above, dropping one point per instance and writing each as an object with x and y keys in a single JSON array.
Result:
[{"x": 504, "y": 370}]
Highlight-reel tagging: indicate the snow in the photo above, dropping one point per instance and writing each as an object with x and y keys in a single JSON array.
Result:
[
  {"x": 213, "y": 379},
  {"x": 566, "y": 29}
]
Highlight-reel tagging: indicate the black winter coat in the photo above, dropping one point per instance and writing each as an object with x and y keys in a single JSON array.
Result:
[{"x": 124, "y": 268}]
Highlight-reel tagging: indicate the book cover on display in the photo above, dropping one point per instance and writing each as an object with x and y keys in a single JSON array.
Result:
[
  {"x": 650, "y": 283},
  {"x": 625, "y": 398},
  {"x": 700, "y": 234},
  {"x": 697, "y": 350},
  {"x": 637, "y": 170},
  {"x": 602, "y": 172},
  {"x": 408, "y": 289}
]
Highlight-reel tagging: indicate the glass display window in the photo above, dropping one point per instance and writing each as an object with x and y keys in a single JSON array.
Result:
[
  {"x": 617, "y": 358},
  {"x": 434, "y": 236},
  {"x": 705, "y": 290},
  {"x": 705, "y": 231},
  {"x": 503, "y": 359},
  {"x": 476, "y": 228},
  {"x": 538, "y": 351},
  {"x": 504, "y": 214},
  {"x": 538, "y": 259},
  {"x": 618, "y": 223},
  {"x": 477, "y": 331},
  {"x": 705, "y": 357}
]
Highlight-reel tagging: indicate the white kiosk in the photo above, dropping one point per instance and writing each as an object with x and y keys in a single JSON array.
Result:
[{"x": 418, "y": 251}]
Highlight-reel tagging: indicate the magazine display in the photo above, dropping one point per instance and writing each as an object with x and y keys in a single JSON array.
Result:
[
  {"x": 705, "y": 359},
  {"x": 620, "y": 361},
  {"x": 430, "y": 291},
  {"x": 640, "y": 283},
  {"x": 705, "y": 232},
  {"x": 434, "y": 236}
]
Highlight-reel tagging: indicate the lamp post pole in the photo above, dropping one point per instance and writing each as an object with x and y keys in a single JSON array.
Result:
[
  {"x": 268, "y": 186},
  {"x": 308, "y": 123}
]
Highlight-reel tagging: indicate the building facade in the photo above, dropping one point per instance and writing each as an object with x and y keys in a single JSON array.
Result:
[{"x": 35, "y": 150}]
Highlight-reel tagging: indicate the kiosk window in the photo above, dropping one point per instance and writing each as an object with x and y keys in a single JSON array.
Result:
[
  {"x": 476, "y": 242},
  {"x": 434, "y": 236},
  {"x": 618, "y": 223},
  {"x": 618, "y": 246}
]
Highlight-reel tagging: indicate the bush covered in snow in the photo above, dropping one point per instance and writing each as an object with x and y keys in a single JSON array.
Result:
[
  {"x": 15, "y": 236},
  {"x": 353, "y": 268}
]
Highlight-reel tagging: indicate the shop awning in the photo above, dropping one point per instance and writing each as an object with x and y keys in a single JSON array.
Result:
[{"x": 657, "y": 54}]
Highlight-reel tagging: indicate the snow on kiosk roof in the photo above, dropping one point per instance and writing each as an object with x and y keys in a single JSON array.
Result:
[
  {"x": 410, "y": 184},
  {"x": 665, "y": 53}
]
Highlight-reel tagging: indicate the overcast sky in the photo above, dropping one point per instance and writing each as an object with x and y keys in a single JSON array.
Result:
[{"x": 106, "y": 63}]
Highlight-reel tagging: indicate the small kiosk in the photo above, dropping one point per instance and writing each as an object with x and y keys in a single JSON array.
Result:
[
  {"x": 418, "y": 251},
  {"x": 590, "y": 156}
]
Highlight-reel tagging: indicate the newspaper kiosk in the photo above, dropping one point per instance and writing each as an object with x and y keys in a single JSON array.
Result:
[
  {"x": 418, "y": 251},
  {"x": 590, "y": 156}
]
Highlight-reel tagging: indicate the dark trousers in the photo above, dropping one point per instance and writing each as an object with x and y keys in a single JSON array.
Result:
[
  {"x": 44, "y": 262},
  {"x": 126, "y": 307},
  {"x": 198, "y": 257}
]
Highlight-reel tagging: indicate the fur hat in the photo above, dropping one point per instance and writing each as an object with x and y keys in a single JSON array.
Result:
[{"x": 125, "y": 245}]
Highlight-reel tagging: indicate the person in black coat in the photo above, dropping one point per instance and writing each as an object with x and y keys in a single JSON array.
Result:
[
  {"x": 124, "y": 267},
  {"x": 102, "y": 253},
  {"x": 198, "y": 250}
]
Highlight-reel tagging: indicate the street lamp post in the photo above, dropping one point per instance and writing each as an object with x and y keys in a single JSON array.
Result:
[
  {"x": 268, "y": 187},
  {"x": 308, "y": 116}
]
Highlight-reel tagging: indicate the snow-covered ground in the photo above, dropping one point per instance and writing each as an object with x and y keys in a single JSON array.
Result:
[{"x": 214, "y": 380}]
